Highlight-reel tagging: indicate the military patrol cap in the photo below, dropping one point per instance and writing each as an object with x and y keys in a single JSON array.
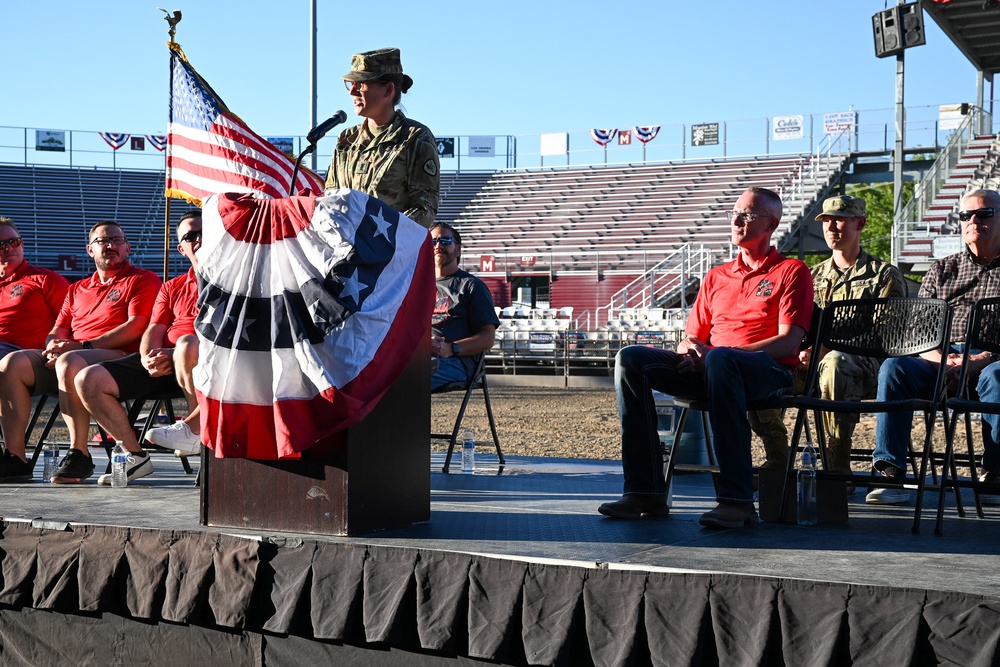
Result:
[
  {"x": 372, "y": 65},
  {"x": 843, "y": 206}
]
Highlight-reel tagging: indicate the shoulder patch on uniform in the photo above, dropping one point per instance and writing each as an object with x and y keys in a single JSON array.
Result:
[{"x": 431, "y": 168}]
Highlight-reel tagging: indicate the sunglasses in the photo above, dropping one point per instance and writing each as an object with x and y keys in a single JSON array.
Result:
[
  {"x": 443, "y": 240},
  {"x": 192, "y": 237},
  {"x": 980, "y": 213},
  {"x": 15, "y": 242}
]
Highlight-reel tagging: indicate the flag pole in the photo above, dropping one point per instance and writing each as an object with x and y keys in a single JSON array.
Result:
[{"x": 172, "y": 21}]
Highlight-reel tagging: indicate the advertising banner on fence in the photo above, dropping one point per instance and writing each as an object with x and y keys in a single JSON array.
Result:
[
  {"x": 284, "y": 144},
  {"x": 482, "y": 146},
  {"x": 787, "y": 127},
  {"x": 950, "y": 116},
  {"x": 446, "y": 147},
  {"x": 50, "y": 140},
  {"x": 839, "y": 122},
  {"x": 705, "y": 134},
  {"x": 555, "y": 143}
]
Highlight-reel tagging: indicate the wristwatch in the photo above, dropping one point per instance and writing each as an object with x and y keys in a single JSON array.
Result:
[
  {"x": 87, "y": 345},
  {"x": 454, "y": 349}
]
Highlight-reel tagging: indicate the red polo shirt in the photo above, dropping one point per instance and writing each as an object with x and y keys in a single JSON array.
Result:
[
  {"x": 30, "y": 299},
  {"x": 176, "y": 306},
  {"x": 737, "y": 306},
  {"x": 92, "y": 309}
]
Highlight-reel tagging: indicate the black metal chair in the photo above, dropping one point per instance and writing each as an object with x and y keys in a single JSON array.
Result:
[
  {"x": 880, "y": 328},
  {"x": 478, "y": 382},
  {"x": 982, "y": 335},
  {"x": 46, "y": 428}
]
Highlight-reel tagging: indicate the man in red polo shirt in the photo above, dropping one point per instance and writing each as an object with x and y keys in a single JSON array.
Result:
[
  {"x": 742, "y": 345},
  {"x": 152, "y": 370},
  {"x": 30, "y": 296},
  {"x": 101, "y": 318}
]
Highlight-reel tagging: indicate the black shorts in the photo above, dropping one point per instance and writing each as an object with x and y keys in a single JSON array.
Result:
[{"x": 134, "y": 381}]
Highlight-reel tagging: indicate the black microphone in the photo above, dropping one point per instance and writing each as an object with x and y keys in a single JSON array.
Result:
[{"x": 320, "y": 130}]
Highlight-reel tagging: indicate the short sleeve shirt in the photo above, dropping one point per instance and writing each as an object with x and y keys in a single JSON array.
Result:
[
  {"x": 464, "y": 306},
  {"x": 961, "y": 280},
  {"x": 30, "y": 299},
  {"x": 176, "y": 306},
  {"x": 92, "y": 309},
  {"x": 737, "y": 305}
]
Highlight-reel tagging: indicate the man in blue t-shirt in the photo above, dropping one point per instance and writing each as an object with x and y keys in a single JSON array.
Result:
[{"x": 464, "y": 321}]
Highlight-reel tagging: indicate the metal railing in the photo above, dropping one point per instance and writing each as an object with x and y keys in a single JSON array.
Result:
[{"x": 914, "y": 211}]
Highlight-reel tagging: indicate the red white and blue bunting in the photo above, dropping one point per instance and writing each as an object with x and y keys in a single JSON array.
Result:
[
  {"x": 115, "y": 139},
  {"x": 159, "y": 141},
  {"x": 603, "y": 137},
  {"x": 645, "y": 133}
]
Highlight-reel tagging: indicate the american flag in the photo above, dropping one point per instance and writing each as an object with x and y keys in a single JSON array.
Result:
[
  {"x": 309, "y": 310},
  {"x": 210, "y": 150}
]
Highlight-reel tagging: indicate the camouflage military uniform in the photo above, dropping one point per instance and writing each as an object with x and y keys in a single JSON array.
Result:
[
  {"x": 398, "y": 163},
  {"x": 842, "y": 377}
]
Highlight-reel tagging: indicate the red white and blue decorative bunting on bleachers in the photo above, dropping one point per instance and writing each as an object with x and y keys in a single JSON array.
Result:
[
  {"x": 603, "y": 137},
  {"x": 159, "y": 141},
  {"x": 645, "y": 133},
  {"x": 115, "y": 139}
]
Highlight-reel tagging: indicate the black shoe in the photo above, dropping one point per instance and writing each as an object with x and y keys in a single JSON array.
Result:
[
  {"x": 74, "y": 468},
  {"x": 635, "y": 507},
  {"x": 13, "y": 469}
]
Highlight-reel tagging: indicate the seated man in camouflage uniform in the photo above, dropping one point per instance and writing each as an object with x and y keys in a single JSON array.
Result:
[{"x": 850, "y": 273}]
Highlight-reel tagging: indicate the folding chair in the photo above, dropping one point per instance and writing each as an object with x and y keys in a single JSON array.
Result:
[
  {"x": 478, "y": 382},
  {"x": 35, "y": 415},
  {"x": 982, "y": 335},
  {"x": 688, "y": 404},
  {"x": 881, "y": 328},
  {"x": 134, "y": 408}
]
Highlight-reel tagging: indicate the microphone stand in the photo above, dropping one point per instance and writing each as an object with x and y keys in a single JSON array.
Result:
[{"x": 313, "y": 138}]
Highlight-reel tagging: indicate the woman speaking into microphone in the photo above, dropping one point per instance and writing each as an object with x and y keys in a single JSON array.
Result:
[{"x": 387, "y": 155}]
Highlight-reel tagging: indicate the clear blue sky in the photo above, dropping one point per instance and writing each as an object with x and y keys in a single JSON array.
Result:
[{"x": 514, "y": 67}]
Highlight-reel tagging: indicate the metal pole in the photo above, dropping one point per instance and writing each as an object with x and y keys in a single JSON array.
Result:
[
  {"x": 172, "y": 21},
  {"x": 313, "y": 117},
  {"x": 980, "y": 86},
  {"x": 897, "y": 154}
]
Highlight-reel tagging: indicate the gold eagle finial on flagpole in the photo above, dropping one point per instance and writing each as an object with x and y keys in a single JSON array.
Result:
[{"x": 172, "y": 20}]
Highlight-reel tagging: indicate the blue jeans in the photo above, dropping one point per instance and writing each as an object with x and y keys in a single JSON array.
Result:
[
  {"x": 731, "y": 378},
  {"x": 913, "y": 377},
  {"x": 449, "y": 370}
]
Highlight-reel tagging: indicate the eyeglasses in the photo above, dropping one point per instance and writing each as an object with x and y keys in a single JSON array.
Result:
[
  {"x": 443, "y": 240},
  {"x": 192, "y": 237},
  {"x": 363, "y": 86},
  {"x": 746, "y": 215},
  {"x": 15, "y": 242},
  {"x": 980, "y": 213},
  {"x": 113, "y": 240}
]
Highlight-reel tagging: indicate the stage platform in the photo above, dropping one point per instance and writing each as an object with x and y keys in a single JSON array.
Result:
[{"x": 876, "y": 590}]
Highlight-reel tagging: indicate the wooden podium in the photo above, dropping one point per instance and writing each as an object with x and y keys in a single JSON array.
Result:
[{"x": 372, "y": 476}]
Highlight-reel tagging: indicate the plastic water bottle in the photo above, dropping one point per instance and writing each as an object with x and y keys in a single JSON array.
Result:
[
  {"x": 468, "y": 452},
  {"x": 50, "y": 460},
  {"x": 119, "y": 456},
  {"x": 806, "y": 513}
]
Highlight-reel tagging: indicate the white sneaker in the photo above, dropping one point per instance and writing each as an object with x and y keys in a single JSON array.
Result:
[
  {"x": 888, "y": 497},
  {"x": 177, "y": 436},
  {"x": 137, "y": 464}
]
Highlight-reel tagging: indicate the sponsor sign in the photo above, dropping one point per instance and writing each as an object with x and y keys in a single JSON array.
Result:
[
  {"x": 555, "y": 143},
  {"x": 947, "y": 245},
  {"x": 50, "y": 140},
  {"x": 446, "y": 147},
  {"x": 705, "y": 134},
  {"x": 482, "y": 146},
  {"x": 284, "y": 144},
  {"x": 787, "y": 127},
  {"x": 839, "y": 122}
]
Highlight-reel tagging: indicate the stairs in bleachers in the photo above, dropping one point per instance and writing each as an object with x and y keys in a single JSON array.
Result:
[{"x": 977, "y": 167}]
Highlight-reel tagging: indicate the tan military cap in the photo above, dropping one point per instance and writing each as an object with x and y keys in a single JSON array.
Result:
[
  {"x": 372, "y": 65},
  {"x": 843, "y": 206}
]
